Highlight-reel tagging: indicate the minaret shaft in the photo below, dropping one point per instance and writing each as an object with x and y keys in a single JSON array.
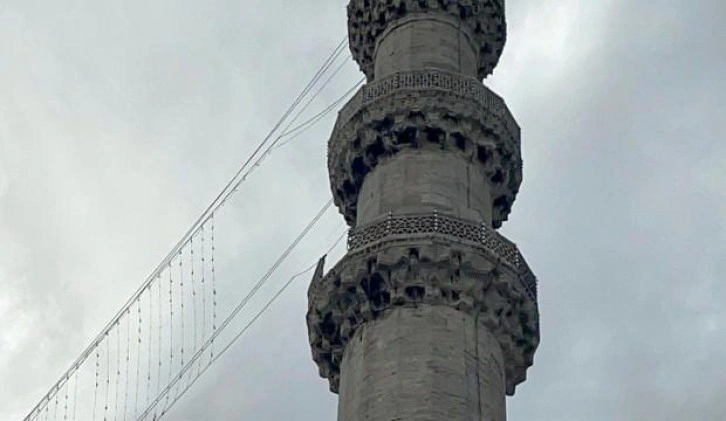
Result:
[
  {"x": 425, "y": 181},
  {"x": 425, "y": 363},
  {"x": 422, "y": 41},
  {"x": 431, "y": 315}
]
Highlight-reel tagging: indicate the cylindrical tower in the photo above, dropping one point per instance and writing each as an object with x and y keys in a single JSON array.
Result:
[{"x": 432, "y": 314}]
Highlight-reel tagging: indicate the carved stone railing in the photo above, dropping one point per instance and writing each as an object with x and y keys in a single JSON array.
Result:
[
  {"x": 411, "y": 225},
  {"x": 432, "y": 79},
  {"x": 425, "y": 260}
]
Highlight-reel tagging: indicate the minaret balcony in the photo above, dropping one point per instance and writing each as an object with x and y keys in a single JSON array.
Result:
[
  {"x": 481, "y": 23},
  {"x": 425, "y": 109},
  {"x": 425, "y": 260}
]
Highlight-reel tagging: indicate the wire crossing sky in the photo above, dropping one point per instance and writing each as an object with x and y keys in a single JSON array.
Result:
[
  {"x": 153, "y": 394},
  {"x": 148, "y": 347}
]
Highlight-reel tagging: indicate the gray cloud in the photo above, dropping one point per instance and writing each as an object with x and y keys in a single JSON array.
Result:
[{"x": 118, "y": 123}]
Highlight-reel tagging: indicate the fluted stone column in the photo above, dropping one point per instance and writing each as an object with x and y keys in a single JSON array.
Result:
[{"x": 432, "y": 315}]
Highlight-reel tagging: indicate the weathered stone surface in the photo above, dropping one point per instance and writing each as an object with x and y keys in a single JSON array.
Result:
[
  {"x": 425, "y": 109},
  {"x": 431, "y": 315},
  {"x": 408, "y": 271},
  {"x": 368, "y": 20},
  {"x": 410, "y": 227},
  {"x": 425, "y": 181},
  {"x": 447, "y": 82},
  {"x": 423, "y": 363},
  {"x": 426, "y": 41}
]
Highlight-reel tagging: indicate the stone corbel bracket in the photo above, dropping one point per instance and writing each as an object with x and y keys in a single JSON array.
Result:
[
  {"x": 484, "y": 19},
  {"x": 425, "y": 109},
  {"x": 419, "y": 270}
]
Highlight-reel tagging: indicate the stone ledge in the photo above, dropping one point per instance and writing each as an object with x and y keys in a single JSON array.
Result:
[
  {"x": 431, "y": 79},
  {"x": 479, "y": 235},
  {"x": 424, "y": 116},
  {"x": 414, "y": 272},
  {"x": 485, "y": 19}
]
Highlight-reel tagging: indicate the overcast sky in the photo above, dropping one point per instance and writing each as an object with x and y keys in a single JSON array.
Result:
[{"x": 119, "y": 122}]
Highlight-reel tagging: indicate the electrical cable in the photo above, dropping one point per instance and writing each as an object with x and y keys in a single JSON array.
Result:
[
  {"x": 218, "y": 201},
  {"x": 317, "y": 92},
  {"x": 257, "y": 316},
  {"x": 307, "y": 124},
  {"x": 240, "y": 306}
]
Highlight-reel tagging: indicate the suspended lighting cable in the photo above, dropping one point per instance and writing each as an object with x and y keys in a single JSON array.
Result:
[
  {"x": 240, "y": 306},
  {"x": 218, "y": 201},
  {"x": 258, "y": 315}
]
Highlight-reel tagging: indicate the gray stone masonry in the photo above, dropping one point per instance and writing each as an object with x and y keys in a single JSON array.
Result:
[{"x": 432, "y": 314}]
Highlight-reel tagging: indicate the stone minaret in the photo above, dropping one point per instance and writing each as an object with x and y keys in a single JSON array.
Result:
[{"x": 432, "y": 314}]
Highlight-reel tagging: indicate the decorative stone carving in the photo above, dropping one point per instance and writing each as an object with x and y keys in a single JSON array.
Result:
[
  {"x": 485, "y": 19},
  {"x": 433, "y": 283},
  {"x": 425, "y": 109},
  {"x": 495, "y": 245},
  {"x": 430, "y": 269},
  {"x": 447, "y": 82}
]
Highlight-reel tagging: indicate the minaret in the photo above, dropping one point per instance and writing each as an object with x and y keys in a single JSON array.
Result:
[{"x": 432, "y": 314}]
